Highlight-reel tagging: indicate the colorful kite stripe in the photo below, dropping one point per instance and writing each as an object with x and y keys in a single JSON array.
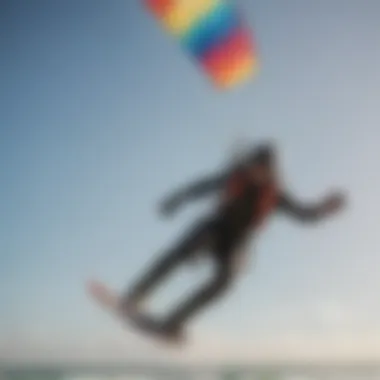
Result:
[{"x": 213, "y": 32}]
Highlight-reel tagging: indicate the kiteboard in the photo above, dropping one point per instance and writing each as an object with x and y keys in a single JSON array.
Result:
[{"x": 109, "y": 300}]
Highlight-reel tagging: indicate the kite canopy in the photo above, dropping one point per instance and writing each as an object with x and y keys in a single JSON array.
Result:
[{"x": 213, "y": 32}]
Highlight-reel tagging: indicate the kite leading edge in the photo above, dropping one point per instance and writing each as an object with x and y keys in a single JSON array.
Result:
[{"x": 214, "y": 33}]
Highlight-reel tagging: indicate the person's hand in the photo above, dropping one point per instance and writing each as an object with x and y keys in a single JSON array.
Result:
[
  {"x": 334, "y": 203},
  {"x": 170, "y": 205}
]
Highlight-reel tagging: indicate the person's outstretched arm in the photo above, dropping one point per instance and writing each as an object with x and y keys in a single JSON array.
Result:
[
  {"x": 200, "y": 188},
  {"x": 311, "y": 212}
]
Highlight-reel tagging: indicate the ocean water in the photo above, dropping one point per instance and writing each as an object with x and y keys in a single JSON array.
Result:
[{"x": 370, "y": 372}]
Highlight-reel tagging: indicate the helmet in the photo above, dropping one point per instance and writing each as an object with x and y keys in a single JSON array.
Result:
[{"x": 264, "y": 154}]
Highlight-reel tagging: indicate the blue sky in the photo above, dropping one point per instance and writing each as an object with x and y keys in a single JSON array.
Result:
[{"x": 102, "y": 114}]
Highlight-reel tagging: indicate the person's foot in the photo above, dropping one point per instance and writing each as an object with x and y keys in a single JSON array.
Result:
[{"x": 174, "y": 335}]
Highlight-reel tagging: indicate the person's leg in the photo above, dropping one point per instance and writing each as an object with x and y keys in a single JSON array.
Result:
[
  {"x": 212, "y": 291},
  {"x": 192, "y": 242}
]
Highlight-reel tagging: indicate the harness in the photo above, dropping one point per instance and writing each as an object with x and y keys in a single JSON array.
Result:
[{"x": 249, "y": 202}]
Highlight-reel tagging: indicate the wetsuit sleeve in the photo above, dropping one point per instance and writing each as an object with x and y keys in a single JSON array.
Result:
[
  {"x": 301, "y": 211},
  {"x": 201, "y": 187}
]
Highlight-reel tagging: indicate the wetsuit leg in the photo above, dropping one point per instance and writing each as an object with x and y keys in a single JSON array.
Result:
[
  {"x": 220, "y": 283},
  {"x": 197, "y": 239}
]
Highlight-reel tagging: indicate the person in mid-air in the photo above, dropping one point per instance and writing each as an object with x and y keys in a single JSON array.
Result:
[{"x": 249, "y": 193}]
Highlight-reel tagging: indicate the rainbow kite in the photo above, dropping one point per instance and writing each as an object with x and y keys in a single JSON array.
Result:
[{"x": 213, "y": 33}]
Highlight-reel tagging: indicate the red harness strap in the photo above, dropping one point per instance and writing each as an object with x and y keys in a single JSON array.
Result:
[{"x": 267, "y": 196}]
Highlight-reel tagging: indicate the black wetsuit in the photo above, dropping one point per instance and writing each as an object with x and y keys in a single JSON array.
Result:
[{"x": 243, "y": 208}]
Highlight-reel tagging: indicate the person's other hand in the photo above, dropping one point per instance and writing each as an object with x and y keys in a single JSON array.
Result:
[{"x": 334, "y": 202}]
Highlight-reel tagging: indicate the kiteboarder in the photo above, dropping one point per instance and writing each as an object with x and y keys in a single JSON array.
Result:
[{"x": 250, "y": 192}]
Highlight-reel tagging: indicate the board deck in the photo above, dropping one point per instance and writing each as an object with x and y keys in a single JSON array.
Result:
[{"x": 109, "y": 301}]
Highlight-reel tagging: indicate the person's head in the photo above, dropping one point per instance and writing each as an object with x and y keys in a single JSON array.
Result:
[{"x": 261, "y": 163}]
